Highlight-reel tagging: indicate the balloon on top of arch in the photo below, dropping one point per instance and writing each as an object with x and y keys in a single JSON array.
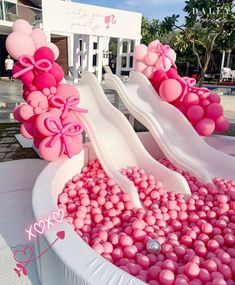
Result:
[
  {"x": 49, "y": 114},
  {"x": 202, "y": 108}
]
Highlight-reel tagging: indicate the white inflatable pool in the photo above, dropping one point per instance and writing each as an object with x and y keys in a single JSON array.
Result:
[{"x": 71, "y": 261}]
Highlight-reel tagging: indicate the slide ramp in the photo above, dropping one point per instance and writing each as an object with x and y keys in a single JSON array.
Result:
[
  {"x": 115, "y": 142},
  {"x": 171, "y": 130}
]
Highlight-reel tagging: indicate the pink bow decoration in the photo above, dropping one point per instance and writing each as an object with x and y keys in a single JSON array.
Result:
[
  {"x": 29, "y": 63},
  {"x": 162, "y": 52},
  {"x": 62, "y": 132},
  {"x": 66, "y": 105},
  {"x": 189, "y": 86}
]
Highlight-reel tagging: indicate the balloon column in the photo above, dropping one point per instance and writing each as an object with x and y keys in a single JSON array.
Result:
[
  {"x": 48, "y": 116},
  {"x": 200, "y": 107}
]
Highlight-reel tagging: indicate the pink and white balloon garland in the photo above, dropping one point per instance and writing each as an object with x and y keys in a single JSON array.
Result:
[
  {"x": 48, "y": 117},
  {"x": 201, "y": 108}
]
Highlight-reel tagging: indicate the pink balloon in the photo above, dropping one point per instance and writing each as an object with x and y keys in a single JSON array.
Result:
[
  {"x": 44, "y": 80},
  {"x": 16, "y": 114},
  {"x": 152, "y": 46},
  {"x": 67, "y": 90},
  {"x": 221, "y": 124},
  {"x": 18, "y": 44},
  {"x": 75, "y": 144},
  {"x": 48, "y": 152},
  {"x": 53, "y": 47},
  {"x": 22, "y": 26},
  {"x": 205, "y": 127},
  {"x": 171, "y": 53},
  {"x": 195, "y": 113},
  {"x": 159, "y": 64},
  {"x": 140, "y": 52},
  {"x": 40, "y": 124},
  {"x": 38, "y": 36},
  {"x": 44, "y": 53},
  {"x": 140, "y": 66},
  {"x": 57, "y": 72},
  {"x": 214, "y": 111},
  {"x": 27, "y": 129},
  {"x": 26, "y": 112},
  {"x": 149, "y": 71},
  {"x": 27, "y": 78},
  {"x": 190, "y": 99},
  {"x": 159, "y": 76},
  {"x": 170, "y": 90},
  {"x": 214, "y": 98},
  {"x": 151, "y": 58}
]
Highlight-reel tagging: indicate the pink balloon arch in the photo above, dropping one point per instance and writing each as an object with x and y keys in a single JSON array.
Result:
[
  {"x": 202, "y": 108},
  {"x": 48, "y": 116}
]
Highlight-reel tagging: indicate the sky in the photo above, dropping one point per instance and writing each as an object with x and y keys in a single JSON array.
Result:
[{"x": 157, "y": 9}]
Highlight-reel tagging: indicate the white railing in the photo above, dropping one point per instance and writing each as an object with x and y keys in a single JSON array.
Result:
[{"x": 12, "y": 11}]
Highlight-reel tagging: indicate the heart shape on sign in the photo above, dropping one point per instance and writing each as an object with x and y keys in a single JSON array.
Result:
[
  {"x": 58, "y": 216},
  {"x": 61, "y": 234},
  {"x": 24, "y": 255},
  {"x": 39, "y": 227}
]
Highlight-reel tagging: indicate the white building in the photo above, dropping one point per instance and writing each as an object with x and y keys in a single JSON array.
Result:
[{"x": 81, "y": 32}]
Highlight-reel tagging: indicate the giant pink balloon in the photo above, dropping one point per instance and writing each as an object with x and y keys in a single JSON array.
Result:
[
  {"x": 214, "y": 111},
  {"x": 22, "y": 26},
  {"x": 221, "y": 124},
  {"x": 195, "y": 113},
  {"x": 49, "y": 152},
  {"x": 152, "y": 46},
  {"x": 151, "y": 58},
  {"x": 140, "y": 66},
  {"x": 164, "y": 66},
  {"x": 205, "y": 127},
  {"x": 170, "y": 90},
  {"x": 18, "y": 44},
  {"x": 39, "y": 37},
  {"x": 149, "y": 71},
  {"x": 54, "y": 48},
  {"x": 140, "y": 52}
]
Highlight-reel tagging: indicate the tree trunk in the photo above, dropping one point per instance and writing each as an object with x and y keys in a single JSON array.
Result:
[{"x": 205, "y": 66}]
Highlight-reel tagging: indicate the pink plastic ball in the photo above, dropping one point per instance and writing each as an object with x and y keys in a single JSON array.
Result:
[
  {"x": 214, "y": 111},
  {"x": 221, "y": 124},
  {"x": 166, "y": 277}
]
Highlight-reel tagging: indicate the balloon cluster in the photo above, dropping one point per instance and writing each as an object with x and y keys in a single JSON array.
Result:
[
  {"x": 48, "y": 116},
  {"x": 200, "y": 107}
]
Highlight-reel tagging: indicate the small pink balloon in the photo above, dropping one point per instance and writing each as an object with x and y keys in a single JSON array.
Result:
[
  {"x": 67, "y": 90},
  {"x": 38, "y": 36},
  {"x": 44, "y": 53},
  {"x": 171, "y": 53},
  {"x": 151, "y": 58},
  {"x": 18, "y": 44},
  {"x": 49, "y": 152},
  {"x": 27, "y": 129},
  {"x": 149, "y": 71},
  {"x": 26, "y": 112},
  {"x": 195, "y": 113},
  {"x": 152, "y": 46},
  {"x": 190, "y": 99},
  {"x": 54, "y": 48},
  {"x": 170, "y": 90},
  {"x": 27, "y": 78},
  {"x": 22, "y": 26},
  {"x": 140, "y": 52},
  {"x": 221, "y": 124},
  {"x": 205, "y": 127},
  {"x": 214, "y": 98},
  {"x": 17, "y": 115},
  {"x": 214, "y": 110},
  {"x": 75, "y": 144},
  {"x": 140, "y": 66},
  {"x": 40, "y": 126},
  {"x": 57, "y": 72}
]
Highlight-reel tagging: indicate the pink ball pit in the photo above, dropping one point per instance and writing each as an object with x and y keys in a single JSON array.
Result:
[{"x": 72, "y": 261}]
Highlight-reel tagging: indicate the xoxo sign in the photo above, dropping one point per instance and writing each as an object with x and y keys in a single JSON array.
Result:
[{"x": 46, "y": 223}]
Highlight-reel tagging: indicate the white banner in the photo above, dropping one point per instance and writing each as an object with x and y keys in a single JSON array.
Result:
[{"x": 70, "y": 17}]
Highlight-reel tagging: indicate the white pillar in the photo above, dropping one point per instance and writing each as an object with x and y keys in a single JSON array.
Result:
[
  {"x": 222, "y": 64},
  {"x": 3, "y": 10},
  {"x": 119, "y": 57},
  {"x": 89, "y": 45},
  {"x": 75, "y": 56},
  {"x": 136, "y": 43},
  {"x": 99, "y": 63}
]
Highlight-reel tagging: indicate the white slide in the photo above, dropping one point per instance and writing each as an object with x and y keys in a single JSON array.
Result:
[
  {"x": 115, "y": 142},
  {"x": 171, "y": 130}
]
